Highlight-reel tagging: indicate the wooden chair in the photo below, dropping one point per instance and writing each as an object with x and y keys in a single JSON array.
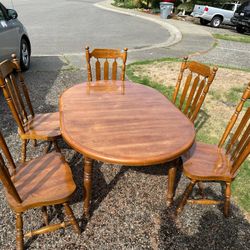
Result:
[
  {"x": 220, "y": 163},
  {"x": 105, "y": 54},
  {"x": 41, "y": 182},
  {"x": 189, "y": 95},
  {"x": 31, "y": 126}
]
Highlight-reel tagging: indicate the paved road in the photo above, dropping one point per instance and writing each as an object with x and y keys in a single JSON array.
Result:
[{"x": 65, "y": 26}]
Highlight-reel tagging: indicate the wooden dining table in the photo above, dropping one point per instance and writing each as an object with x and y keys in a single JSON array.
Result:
[{"x": 124, "y": 123}]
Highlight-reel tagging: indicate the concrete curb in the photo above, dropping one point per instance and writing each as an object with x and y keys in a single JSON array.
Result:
[{"x": 175, "y": 34}]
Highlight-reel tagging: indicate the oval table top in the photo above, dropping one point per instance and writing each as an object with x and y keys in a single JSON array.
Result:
[{"x": 123, "y": 123}]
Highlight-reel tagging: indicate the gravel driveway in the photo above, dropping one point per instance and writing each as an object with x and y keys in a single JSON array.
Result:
[{"x": 129, "y": 206}]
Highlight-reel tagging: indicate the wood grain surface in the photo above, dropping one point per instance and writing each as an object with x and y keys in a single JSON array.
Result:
[{"x": 123, "y": 123}]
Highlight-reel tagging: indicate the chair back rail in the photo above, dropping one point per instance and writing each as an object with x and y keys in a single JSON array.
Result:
[
  {"x": 195, "y": 87},
  {"x": 106, "y": 55},
  {"x": 15, "y": 92}
]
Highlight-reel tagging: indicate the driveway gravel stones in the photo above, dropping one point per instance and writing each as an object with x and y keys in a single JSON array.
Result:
[{"x": 129, "y": 203}]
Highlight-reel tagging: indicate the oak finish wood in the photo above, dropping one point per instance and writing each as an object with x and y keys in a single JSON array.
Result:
[
  {"x": 190, "y": 91},
  {"x": 106, "y": 55},
  {"x": 31, "y": 126},
  {"x": 123, "y": 123},
  {"x": 44, "y": 181},
  {"x": 206, "y": 162}
]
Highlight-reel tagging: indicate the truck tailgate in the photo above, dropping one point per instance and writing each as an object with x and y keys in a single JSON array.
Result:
[{"x": 198, "y": 10}]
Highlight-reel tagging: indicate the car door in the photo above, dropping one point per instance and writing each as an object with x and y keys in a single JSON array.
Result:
[{"x": 9, "y": 35}]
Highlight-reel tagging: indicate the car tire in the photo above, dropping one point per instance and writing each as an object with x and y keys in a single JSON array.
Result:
[
  {"x": 203, "y": 21},
  {"x": 216, "y": 22},
  {"x": 240, "y": 29},
  {"x": 24, "y": 54}
]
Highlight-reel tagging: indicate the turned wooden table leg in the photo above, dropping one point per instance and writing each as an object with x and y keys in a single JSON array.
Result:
[
  {"x": 171, "y": 182},
  {"x": 87, "y": 185}
]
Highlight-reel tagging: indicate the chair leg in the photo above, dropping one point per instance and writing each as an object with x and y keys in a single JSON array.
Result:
[
  {"x": 72, "y": 218},
  {"x": 56, "y": 146},
  {"x": 227, "y": 199},
  {"x": 24, "y": 146},
  {"x": 185, "y": 196},
  {"x": 201, "y": 189},
  {"x": 34, "y": 143},
  {"x": 47, "y": 149},
  {"x": 19, "y": 232},
  {"x": 45, "y": 215}
]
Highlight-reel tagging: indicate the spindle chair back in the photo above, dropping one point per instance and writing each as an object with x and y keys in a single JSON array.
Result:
[
  {"x": 16, "y": 93},
  {"x": 110, "y": 70},
  {"x": 31, "y": 126},
  {"x": 192, "y": 86}
]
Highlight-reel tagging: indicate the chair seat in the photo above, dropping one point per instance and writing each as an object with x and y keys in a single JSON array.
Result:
[
  {"x": 46, "y": 180},
  {"x": 43, "y": 126},
  {"x": 207, "y": 162}
]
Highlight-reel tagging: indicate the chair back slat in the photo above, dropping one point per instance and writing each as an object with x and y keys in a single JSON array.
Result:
[
  {"x": 236, "y": 137},
  {"x": 196, "y": 97},
  {"x": 11, "y": 105},
  {"x": 241, "y": 158},
  {"x": 15, "y": 92},
  {"x": 5, "y": 175},
  {"x": 7, "y": 154},
  {"x": 185, "y": 90},
  {"x": 6, "y": 180},
  {"x": 114, "y": 70},
  {"x": 245, "y": 96},
  {"x": 193, "y": 92},
  {"x": 98, "y": 70},
  {"x": 18, "y": 97},
  {"x": 180, "y": 76},
  {"x": 241, "y": 143},
  {"x": 106, "y": 55},
  {"x": 23, "y": 86},
  {"x": 106, "y": 70},
  {"x": 238, "y": 132}
]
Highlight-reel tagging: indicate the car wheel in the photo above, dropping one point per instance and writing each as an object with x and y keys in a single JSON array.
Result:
[
  {"x": 24, "y": 55},
  {"x": 203, "y": 21},
  {"x": 216, "y": 21},
  {"x": 240, "y": 29}
]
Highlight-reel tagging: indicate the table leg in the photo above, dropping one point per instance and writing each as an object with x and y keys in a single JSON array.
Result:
[
  {"x": 87, "y": 185},
  {"x": 171, "y": 182}
]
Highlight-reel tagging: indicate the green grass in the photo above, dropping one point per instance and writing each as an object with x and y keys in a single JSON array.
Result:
[
  {"x": 233, "y": 95},
  {"x": 235, "y": 38},
  {"x": 241, "y": 185}
]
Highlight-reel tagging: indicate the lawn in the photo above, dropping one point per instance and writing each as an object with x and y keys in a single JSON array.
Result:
[
  {"x": 235, "y": 38},
  {"x": 217, "y": 109}
]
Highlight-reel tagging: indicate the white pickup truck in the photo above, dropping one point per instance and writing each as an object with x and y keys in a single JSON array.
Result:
[{"x": 215, "y": 16}]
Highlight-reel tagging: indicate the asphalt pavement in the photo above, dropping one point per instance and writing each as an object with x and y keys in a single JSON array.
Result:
[{"x": 59, "y": 31}]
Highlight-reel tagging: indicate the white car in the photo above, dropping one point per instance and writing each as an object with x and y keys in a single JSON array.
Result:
[{"x": 13, "y": 38}]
